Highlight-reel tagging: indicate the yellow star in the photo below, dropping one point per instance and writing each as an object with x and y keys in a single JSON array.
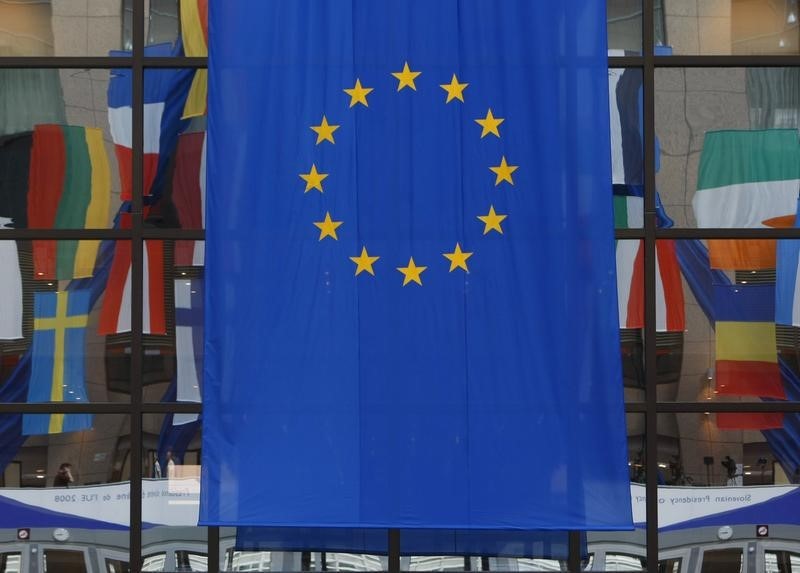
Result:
[
  {"x": 406, "y": 78},
  {"x": 492, "y": 221},
  {"x": 327, "y": 228},
  {"x": 458, "y": 258},
  {"x": 504, "y": 171},
  {"x": 489, "y": 124},
  {"x": 324, "y": 131},
  {"x": 313, "y": 179},
  {"x": 454, "y": 90},
  {"x": 358, "y": 94},
  {"x": 364, "y": 262},
  {"x": 412, "y": 272}
]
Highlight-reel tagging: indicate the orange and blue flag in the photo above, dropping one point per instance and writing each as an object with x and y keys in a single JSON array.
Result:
[{"x": 57, "y": 360}]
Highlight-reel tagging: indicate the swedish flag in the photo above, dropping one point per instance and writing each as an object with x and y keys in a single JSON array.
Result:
[
  {"x": 411, "y": 309},
  {"x": 57, "y": 360}
]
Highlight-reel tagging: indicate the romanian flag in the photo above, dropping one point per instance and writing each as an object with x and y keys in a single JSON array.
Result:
[
  {"x": 69, "y": 188},
  {"x": 194, "y": 30},
  {"x": 115, "y": 315},
  {"x": 745, "y": 178},
  {"x": 746, "y": 352},
  {"x": 670, "y": 313},
  {"x": 57, "y": 360},
  {"x": 189, "y": 195}
]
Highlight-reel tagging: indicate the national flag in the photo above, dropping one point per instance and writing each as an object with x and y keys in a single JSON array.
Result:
[
  {"x": 397, "y": 263},
  {"x": 189, "y": 195},
  {"x": 58, "y": 354},
  {"x": 787, "y": 285},
  {"x": 188, "y": 343},
  {"x": 115, "y": 315},
  {"x": 744, "y": 178},
  {"x": 746, "y": 351},
  {"x": 194, "y": 33},
  {"x": 69, "y": 188},
  {"x": 670, "y": 313},
  {"x": 165, "y": 92},
  {"x": 15, "y": 158},
  {"x": 11, "y": 288},
  {"x": 749, "y": 420}
]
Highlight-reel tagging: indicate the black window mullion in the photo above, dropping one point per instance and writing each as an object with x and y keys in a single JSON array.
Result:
[{"x": 137, "y": 295}]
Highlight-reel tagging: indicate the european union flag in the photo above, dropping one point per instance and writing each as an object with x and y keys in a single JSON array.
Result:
[{"x": 411, "y": 299}]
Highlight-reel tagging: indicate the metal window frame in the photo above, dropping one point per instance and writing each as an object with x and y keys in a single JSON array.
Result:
[{"x": 648, "y": 62}]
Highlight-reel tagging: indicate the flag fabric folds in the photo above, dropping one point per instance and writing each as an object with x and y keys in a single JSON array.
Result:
[
  {"x": 403, "y": 231},
  {"x": 670, "y": 313},
  {"x": 188, "y": 343},
  {"x": 194, "y": 32},
  {"x": 115, "y": 314},
  {"x": 745, "y": 178},
  {"x": 11, "y": 289},
  {"x": 165, "y": 93},
  {"x": 69, "y": 188},
  {"x": 787, "y": 286},
  {"x": 57, "y": 360},
  {"x": 746, "y": 351},
  {"x": 189, "y": 195}
]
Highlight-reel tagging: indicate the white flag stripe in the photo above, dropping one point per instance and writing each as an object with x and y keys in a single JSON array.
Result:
[
  {"x": 661, "y": 301},
  {"x": 124, "y": 317},
  {"x": 11, "y": 289},
  {"x": 188, "y": 386},
  {"x": 120, "y": 120},
  {"x": 796, "y": 297},
  {"x": 626, "y": 255},
  {"x": 745, "y": 205},
  {"x": 617, "y": 161}
]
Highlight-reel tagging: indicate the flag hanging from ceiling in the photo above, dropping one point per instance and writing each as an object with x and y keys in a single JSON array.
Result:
[
  {"x": 165, "y": 92},
  {"x": 746, "y": 351},
  {"x": 194, "y": 33},
  {"x": 58, "y": 353},
  {"x": 11, "y": 289},
  {"x": 69, "y": 188},
  {"x": 670, "y": 313},
  {"x": 189, "y": 195},
  {"x": 403, "y": 231},
  {"x": 188, "y": 343},
  {"x": 15, "y": 157},
  {"x": 115, "y": 315},
  {"x": 745, "y": 178},
  {"x": 787, "y": 280}
]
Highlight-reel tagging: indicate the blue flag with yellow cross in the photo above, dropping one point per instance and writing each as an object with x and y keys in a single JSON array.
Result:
[
  {"x": 58, "y": 354},
  {"x": 411, "y": 300}
]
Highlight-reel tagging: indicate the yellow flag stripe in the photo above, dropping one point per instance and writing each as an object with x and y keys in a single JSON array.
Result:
[
  {"x": 747, "y": 341},
  {"x": 198, "y": 92},
  {"x": 97, "y": 212},
  {"x": 57, "y": 390},
  {"x": 194, "y": 42}
]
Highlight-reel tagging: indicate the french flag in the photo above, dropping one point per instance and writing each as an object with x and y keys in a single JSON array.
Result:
[
  {"x": 115, "y": 315},
  {"x": 165, "y": 93}
]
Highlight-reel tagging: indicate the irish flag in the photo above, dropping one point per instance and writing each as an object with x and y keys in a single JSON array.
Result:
[
  {"x": 69, "y": 187},
  {"x": 745, "y": 178}
]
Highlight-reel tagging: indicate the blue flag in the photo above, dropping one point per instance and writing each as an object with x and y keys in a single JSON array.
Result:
[
  {"x": 410, "y": 297},
  {"x": 787, "y": 286},
  {"x": 58, "y": 353}
]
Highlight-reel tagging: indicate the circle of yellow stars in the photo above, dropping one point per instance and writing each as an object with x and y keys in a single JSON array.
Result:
[{"x": 492, "y": 221}]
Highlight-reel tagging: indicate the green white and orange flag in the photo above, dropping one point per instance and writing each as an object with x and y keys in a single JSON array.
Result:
[
  {"x": 194, "y": 30},
  {"x": 69, "y": 187},
  {"x": 745, "y": 178}
]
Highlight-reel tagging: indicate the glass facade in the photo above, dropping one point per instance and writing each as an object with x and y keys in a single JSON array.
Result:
[{"x": 101, "y": 307}]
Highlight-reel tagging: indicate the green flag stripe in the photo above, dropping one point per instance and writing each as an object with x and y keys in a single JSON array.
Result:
[
  {"x": 735, "y": 157},
  {"x": 76, "y": 197}
]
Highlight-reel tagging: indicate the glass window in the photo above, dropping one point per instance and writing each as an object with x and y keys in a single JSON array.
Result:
[
  {"x": 722, "y": 561},
  {"x": 64, "y": 561}
]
